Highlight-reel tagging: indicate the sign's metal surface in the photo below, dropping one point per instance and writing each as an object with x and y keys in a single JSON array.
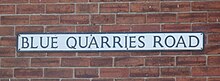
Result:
[{"x": 109, "y": 41}]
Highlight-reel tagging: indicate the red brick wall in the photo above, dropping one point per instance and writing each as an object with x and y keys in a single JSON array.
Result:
[{"x": 44, "y": 16}]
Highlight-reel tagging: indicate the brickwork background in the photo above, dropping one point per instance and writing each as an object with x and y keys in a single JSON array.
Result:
[{"x": 44, "y": 16}]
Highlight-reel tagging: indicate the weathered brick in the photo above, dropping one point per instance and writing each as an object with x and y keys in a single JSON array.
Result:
[
  {"x": 191, "y": 79},
  {"x": 192, "y": 17},
  {"x": 209, "y": 49},
  {"x": 44, "y": 1},
  {"x": 129, "y": 61},
  {"x": 60, "y": 29},
  {"x": 61, "y": 54},
  {"x": 45, "y": 62},
  {"x": 14, "y": 20},
  {"x": 102, "y": 80},
  {"x": 114, "y": 7},
  {"x": 7, "y": 52},
  {"x": 44, "y": 79},
  {"x": 214, "y": 38},
  {"x": 58, "y": 73},
  {"x": 159, "y": 61},
  {"x": 176, "y": 27},
  {"x": 144, "y": 53},
  {"x": 213, "y": 17},
  {"x": 74, "y": 19},
  {"x": 44, "y": 19},
  {"x": 19, "y": 79},
  {"x": 25, "y": 29},
  {"x": 115, "y": 28},
  {"x": 79, "y": 62},
  {"x": 6, "y": 73},
  {"x": 13, "y": 1},
  {"x": 184, "y": 71},
  {"x": 75, "y": 80},
  {"x": 144, "y": 72},
  {"x": 15, "y": 62},
  {"x": 103, "y": 19},
  {"x": 87, "y": 8},
  {"x": 175, "y": 53},
  {"x": 145, "y": 28},
  {"x": 101, "y": 62},
  {"x": 206, "y": 71},
  {"x": 102, "y": 0},
  {"x": 161, "y": 18},
  {"x": 213, "y": 79},
  {"x": 30, "y": 9},
  {"x": 160, "y": 79},
  {"x": 28, "y": 73},
  {"x": 70, "y": 1},
  {"x": 130, "y": 19},
  {"x": 175, "y": 6},
  {"x": 7, "y": 9},
  {"x": 145, "y": 7},
  {"x": 6, "y": 31},
  {"x": 87, "y": 28},
  {"x": 114, "y": 72},
  {"x": 206, "y": 6},
  {"x": 115, "y": 53},
  {"x": 207, "y": 28},
  {"x": 60, "y": 8},
  {"x": 191, "y": 61},
  {"x": 8, "y": 41},
  {"x": 213, "y": 60},
  {"x": 129, "y": 80},
  {"x": 88, "y": 54},
  {"x": 31, "y": 54},
  {"x": 86, "y": 73}
]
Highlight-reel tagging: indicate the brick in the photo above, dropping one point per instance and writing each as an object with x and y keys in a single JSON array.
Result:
[
  {"x": 7, "y": 9},
  {"x": 130, "y": 79},
  {"x": 114, "y": 72},
  {"x": 213, "y": 60},
  {"x": 192, "y": 17},
  {"x": 102, "y": 0},
  {"x": 130, "y": 19},
  {"x": 58, "y": 73},
  {"x": 6, "y": 73},
  {"x": 44, "y": 19},
  {"x": 213, "y": 17},
  {"x": 15, "y": 62},
  {"x": 101, "y": 62},
  {"x": 86, "y": 73},
  {"x": 160, "y": 79},
  {"x": 207, "y": 28},
  {"x": 129, "y": 61},
  {"x": 191, "y": 79},
  {"x": 176, "y": 27},
  {"x": 145, "y": 7},
  {"x": 115, "y": 53},
  {"x": 102, "y": 80},
  {"x": 61, "y": 54},
  {"x": 19, "y": 79},
  {"x": 74, "y": 19},
  {"x": 144, "y": 72},
  {"x": 114, "y": 7},
  {"x": 87, "y": 28},
  {"x": 145, "y": 28},
  {"x": 30, "y": 9},
  {"x": 44, "y": 79},
  {"x": 23, "y": 29},
  {"x": 45, "y": 62},
  {"x": 6, "y": 31},
  {"x": 44, "y": 1},
  {"x": 205, "y": 71},
  {"x": 206, "y": 6},
  {"x": 8, "y": 41},
  {"x": 161, "y": 18},
  {"x": 60, "y": 8},
  {"x": 31, "y": 54},
  {"x": 175, "y": 71},
  {"x": 177, "y": 53},
  {"x": 87, "y": 8},
  {"x": 88, "y": 54},
  {"x": 13, "y": 1},
  {"x": 7, "y": 52},
  {"x": 160, "y": 61},
  {"x": 144, "y": 53},
  {"x": 75, "y": 80},
  {"x": 60, "y": 29},
  {"x": 214, "y": 38},
  {"x": 209, "y": 49},
  {"x": 78, "y": 62},
  {"x": 175, "y": 6},
  {"x": 191, "y": 61},
  {"x": 103, "y": 19},
  {"x": 14, "y": 20},
  {"x": 115, "y": 28},
  {"x": 28, "y": 73},
  {"x": 213, "y": 79},
  {"x": 70, "y": 1}
]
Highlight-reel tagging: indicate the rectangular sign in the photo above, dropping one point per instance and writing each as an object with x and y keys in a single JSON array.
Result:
[{"x": 109, "y": 41}]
